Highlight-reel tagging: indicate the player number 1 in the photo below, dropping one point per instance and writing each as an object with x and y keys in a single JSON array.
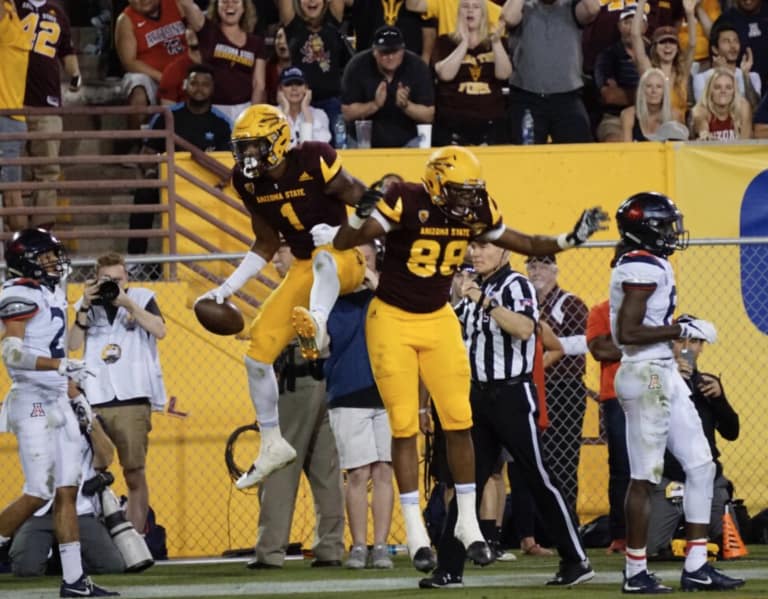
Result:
[{"x": 290, "y": 215}]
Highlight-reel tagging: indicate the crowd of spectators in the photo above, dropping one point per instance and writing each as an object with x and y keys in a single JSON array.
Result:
[{"x": 471, "y": 68}]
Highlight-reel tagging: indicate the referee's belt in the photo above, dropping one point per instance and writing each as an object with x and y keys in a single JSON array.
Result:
[{"x": 495, "y": 384}]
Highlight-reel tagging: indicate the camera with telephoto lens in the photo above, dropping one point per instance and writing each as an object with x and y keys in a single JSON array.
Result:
[{"x": 108, "y": 292}]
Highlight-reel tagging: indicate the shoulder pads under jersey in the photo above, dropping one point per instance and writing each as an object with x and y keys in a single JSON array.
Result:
[{"x": 17, "y": 308}]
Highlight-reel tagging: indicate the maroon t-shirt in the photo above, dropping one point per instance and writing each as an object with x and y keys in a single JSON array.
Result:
[
  {"x": 297, "y": 202},
  {"x": 474, "y": 92},
  {"x": 232, "y": 65},
  {"x": 49, "y": 27},
  {"x": 423, "y": 248}
]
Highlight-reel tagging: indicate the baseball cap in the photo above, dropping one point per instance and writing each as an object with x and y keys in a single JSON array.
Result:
[
  {"x": 630, "y": 12},
  {"x": 292, "y": 75},
  {"x": 665, "y": 32},
  {"x": 388, "y": 39},
  {"x": 685, "y": 318},
  {"x": 548, "y": 259}
]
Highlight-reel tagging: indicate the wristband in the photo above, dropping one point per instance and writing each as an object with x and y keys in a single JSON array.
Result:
[
  {"x": 81, "y": 326},
  {"x": 565, "y": 241},
  {"x": 83, "y": 310},
  {"x": 354, "y": 221}
]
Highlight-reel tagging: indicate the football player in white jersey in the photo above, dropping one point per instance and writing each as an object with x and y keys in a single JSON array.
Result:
[
  {"x": 37, "y": 409},
  {"x": 654, "y": 396}
]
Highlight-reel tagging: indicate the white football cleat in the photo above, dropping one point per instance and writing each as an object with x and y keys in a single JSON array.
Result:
[
  {"x": 273, "y": 456},
  {"x": 311, "y": 334}
]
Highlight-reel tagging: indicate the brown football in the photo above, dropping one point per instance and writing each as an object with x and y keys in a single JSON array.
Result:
[{"x": 220, "y": 319}]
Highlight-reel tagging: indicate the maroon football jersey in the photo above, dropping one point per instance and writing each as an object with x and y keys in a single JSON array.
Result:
[
  {"x": 423, "y": 248},
  {"x": 48, "y": 26},
  {"x": 297, "y": 202}
]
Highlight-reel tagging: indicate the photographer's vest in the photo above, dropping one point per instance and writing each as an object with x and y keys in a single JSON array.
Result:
[{"x": 123, "y": 356}]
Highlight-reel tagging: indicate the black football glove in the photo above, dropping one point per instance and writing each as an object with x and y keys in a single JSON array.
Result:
[
  {"x": 590, "y": 222},
  {"x": 367, "y": 203}
]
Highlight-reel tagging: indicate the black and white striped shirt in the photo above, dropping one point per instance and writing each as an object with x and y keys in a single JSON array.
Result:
[{"x": 494, "y": 354}]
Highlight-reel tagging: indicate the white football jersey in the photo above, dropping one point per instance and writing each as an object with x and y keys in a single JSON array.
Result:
[
  {"x": 642, "y": 269},
  {"x": 45, "y": 333}
]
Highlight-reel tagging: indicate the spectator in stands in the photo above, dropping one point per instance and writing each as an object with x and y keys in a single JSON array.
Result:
[
  {"x": 652, "y": 108},
  {"x": 318, "y": 48},
  {"x": 751, "y": 20},
  {"x": 605, "y": 351},
  {"x": 760, "y": 120},
  {"x": 278, "y": 61},
  {"x": 171, "y": 87},
  {"x": 15, "y": 46},
  {"x": 305, "y": 424},
  {"x": 446, "y": 11},
  {"x": 237, "y": 56},
  {"x": 722, "y": 114},
  {"x": 716, "y": 414},
  {"x": 726, "y": 50},
  {"x": 30, "y": 551},
  {"x": 566, "y": 395},
  {"x": 390, "y": 86},
  {"x": 547, "y": 69},
  {"x": 472, "y": 65},
  {"x": 366, "y": 16},
  {"x": 44, "y": 90},
  {"x": 197, "y": 122},
  {"x": 707, "y": 12},
  {"x": 616, "y": 77},
  {"x": 360, "y": 423},
  {"x": 149, "y": 34},
  {"x": 665, "y": 53},
  {"x": 294, "y": 99}
]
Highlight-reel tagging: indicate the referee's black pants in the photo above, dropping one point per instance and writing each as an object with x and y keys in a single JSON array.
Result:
[{"x": 504, "y": 415}]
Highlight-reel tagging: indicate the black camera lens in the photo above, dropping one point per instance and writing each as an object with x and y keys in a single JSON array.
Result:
[{"x": 108, "y": 291}]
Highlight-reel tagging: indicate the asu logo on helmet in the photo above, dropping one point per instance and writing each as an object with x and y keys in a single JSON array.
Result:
[
  {"x": 260, "y": 139},
  {"x": 453, "y": 180}
]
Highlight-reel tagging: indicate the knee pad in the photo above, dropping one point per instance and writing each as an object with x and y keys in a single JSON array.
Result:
[
  {"x": 697, "y": 500},
  {"x": 323, "y": 262}
]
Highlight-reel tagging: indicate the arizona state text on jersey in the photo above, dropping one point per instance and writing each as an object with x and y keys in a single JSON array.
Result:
[
  {"x": 424, "y": 248},
  {"x": 297, "y": 202}
]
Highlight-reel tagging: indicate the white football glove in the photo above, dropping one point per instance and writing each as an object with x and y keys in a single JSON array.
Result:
[
  {"x": 83, "y": 412},
  {"x": 323, "y": 234},
  {"x": 219, "y": 293},
  {"x": 698, "y": 329},
  {"x": 74, "y": 369}
]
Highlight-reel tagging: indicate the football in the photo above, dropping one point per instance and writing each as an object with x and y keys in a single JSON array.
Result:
[{"x": 220, "y": 319}]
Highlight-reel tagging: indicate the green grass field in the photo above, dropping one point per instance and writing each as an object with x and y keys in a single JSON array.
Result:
[{"x": 523, "y": 578}]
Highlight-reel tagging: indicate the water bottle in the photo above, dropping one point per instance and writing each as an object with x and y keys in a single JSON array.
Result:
[
  {"x": 397, "y": 549},
  {"x": 340, "y": 132},
  {"x": 527, "y": 128}
]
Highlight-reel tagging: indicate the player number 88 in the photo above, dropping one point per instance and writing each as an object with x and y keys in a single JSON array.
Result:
[{"x": 428, "y": 255}]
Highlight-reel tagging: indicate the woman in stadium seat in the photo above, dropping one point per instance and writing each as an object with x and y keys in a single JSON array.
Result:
[
  {"x": 651, "y": 110},
  {"x": 722, "y": 113}
]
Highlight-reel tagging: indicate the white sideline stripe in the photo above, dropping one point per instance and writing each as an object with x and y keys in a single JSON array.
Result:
[{"x": 335, "y": 586}]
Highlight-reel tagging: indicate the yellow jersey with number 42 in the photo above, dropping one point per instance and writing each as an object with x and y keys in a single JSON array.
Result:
[{"x": 424, "y": 247}]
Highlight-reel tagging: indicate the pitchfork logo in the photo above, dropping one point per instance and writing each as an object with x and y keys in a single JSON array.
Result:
[{"x": 37, "y": 410}]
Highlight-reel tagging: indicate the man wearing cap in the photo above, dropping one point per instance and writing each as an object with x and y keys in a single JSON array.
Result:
[
  {"x": 566, "y": 393},
  {"x": 294, "y": 98},
  {"x": 616, "y": 77},
  {"x": 390, "y": 86},
  {"x": 716, "y": 414}
]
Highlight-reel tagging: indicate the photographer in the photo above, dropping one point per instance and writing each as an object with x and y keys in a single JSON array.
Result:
[
  {"x": 716, "y": 414},
  {"x": 120, "y": 326}
]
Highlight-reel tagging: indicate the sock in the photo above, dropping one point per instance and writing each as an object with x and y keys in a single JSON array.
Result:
[
  {"x": 466, "y": 522},
  {"x": 325, "y": 286},
  {"x": 270, "y": 433},
  {"x": 636, "y": 561},
  {"x": 416, "y": 533},
  {"x": 695, "y": 554},
  {"x": 71, "y": 562},
  {"x": 488, "y": 528},
  {"x": 262, "y": 386}
]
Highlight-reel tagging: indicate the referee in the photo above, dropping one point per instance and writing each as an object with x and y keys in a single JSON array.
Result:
[{"x": 499, "y": 312}]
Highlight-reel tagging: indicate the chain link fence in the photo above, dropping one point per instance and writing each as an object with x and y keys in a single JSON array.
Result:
[{"x": 191, "y": 486}]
